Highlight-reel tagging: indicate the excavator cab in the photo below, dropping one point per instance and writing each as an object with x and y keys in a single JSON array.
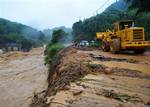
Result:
[
  {"x": 121, "y": 25},
  {"x": 126, "y": 24}
]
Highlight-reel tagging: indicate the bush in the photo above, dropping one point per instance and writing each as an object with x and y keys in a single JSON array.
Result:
[
  {"x": 54, "y": 46},
  {"x": 58, "y": 36},
  {"x": 52, "y": 50}
]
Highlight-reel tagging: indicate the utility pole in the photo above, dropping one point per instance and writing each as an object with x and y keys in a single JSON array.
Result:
[
  {"x": 96, "y": 12},
  {"x": 79, "y": 18}
]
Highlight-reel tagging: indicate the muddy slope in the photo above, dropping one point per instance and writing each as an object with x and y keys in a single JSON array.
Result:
[{"x": 83, "y": 78}]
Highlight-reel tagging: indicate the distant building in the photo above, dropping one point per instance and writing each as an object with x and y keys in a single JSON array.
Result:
[
  {"x": 1, "y": 51},
  {"x": 10, "y": 47}
]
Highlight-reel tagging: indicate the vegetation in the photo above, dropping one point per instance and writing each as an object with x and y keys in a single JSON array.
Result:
[
  {"x": 52, "y": 51},
  {"x": 49, "y": 32},
  {"x": 58, "y": 36},
  {"x": 86, "y": 29},
  {"x": 55, "y": 45},
  {"x": 139, "y": 5},
  {"x": 12, "y": 32},
  {"x": 140, "y": 11}
]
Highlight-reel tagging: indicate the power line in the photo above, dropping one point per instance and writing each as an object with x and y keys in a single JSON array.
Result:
[
  {"x": 98, "y": 9},
  {"x": 101, "y": 7}
]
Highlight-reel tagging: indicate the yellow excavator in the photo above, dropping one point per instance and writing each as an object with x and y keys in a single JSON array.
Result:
[{"x": 125, "y": 36}]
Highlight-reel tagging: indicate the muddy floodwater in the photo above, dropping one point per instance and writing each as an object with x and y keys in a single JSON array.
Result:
[{"x": 21, "y": 75}]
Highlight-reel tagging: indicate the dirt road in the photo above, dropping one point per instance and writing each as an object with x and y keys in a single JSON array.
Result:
[
  {"x": 109, "y": 80},
  {"x": 21, "y": 75}
]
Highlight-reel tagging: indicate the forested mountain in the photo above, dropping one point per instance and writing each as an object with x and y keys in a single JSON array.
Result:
[
  {"x": 86, "y": 29},
  {"x": 12, "y": 32},
  {"x": 140, "y": 5},
  {"x": 119, "y": 5}
]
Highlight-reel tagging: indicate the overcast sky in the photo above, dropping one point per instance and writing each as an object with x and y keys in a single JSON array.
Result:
[{"x": 43, "y": 14}]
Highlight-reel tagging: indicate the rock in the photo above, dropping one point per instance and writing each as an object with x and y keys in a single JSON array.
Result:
[
  {"x": 77, "y": 92},
  {"x": 67, "y": 87},
  {"x": 49, "y": 100},
  {"x": 147, "y": 103}
]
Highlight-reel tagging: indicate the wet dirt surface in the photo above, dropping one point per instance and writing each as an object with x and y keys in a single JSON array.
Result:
[
  {"x": 79, "y": 78},
  {"x": 121, "y": 80},
  {"x": 127, "y": 60},
  {"x": 104, "y": 91},
  {"x": 21, "y": 75}
]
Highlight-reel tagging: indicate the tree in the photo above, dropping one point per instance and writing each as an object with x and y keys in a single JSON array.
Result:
[
  {"x": 27, "y": 37},
  {"x": 86, "y": 29},
  {"x": 55, "y": 45},
  {"x": 58, "y": 36},
  {"x": 139, "y": 5}
]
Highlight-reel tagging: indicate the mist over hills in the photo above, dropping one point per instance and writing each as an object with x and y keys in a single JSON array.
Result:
[
  {"x": 48, "y": 32},
  {"x": 13, "y": 32},
  {"x": 7, "y": 26}
]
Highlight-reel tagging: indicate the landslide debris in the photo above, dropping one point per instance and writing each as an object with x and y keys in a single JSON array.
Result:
[
  {"x": 71, "y": 65},
  {"x": 97, "y": 68},
  {"x": 104, "y": 58},
  {"x": 118, "y": 96}
]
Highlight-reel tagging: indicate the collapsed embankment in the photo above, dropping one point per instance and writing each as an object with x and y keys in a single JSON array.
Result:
[{"x": 73, "y": 64}]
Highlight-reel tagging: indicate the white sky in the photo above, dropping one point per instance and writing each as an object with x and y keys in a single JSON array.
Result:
[{"x": 43, "y": 14}]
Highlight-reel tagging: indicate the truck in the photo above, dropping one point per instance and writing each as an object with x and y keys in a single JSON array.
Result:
[{"x": 124, "y": 36}]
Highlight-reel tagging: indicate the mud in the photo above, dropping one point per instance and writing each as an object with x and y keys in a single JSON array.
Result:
[
  {"x": 97, "y": 68},
  {"x": 118, "y": 96},
  {"x": 21, "y": 75},
  {"x": 78, "y": 80},
  {"x": 103, "y": 58}
]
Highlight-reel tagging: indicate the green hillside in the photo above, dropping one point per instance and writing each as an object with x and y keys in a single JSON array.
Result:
[
  {"x": 86, "y": 29},
  {"x": 12, "y": 32}
]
